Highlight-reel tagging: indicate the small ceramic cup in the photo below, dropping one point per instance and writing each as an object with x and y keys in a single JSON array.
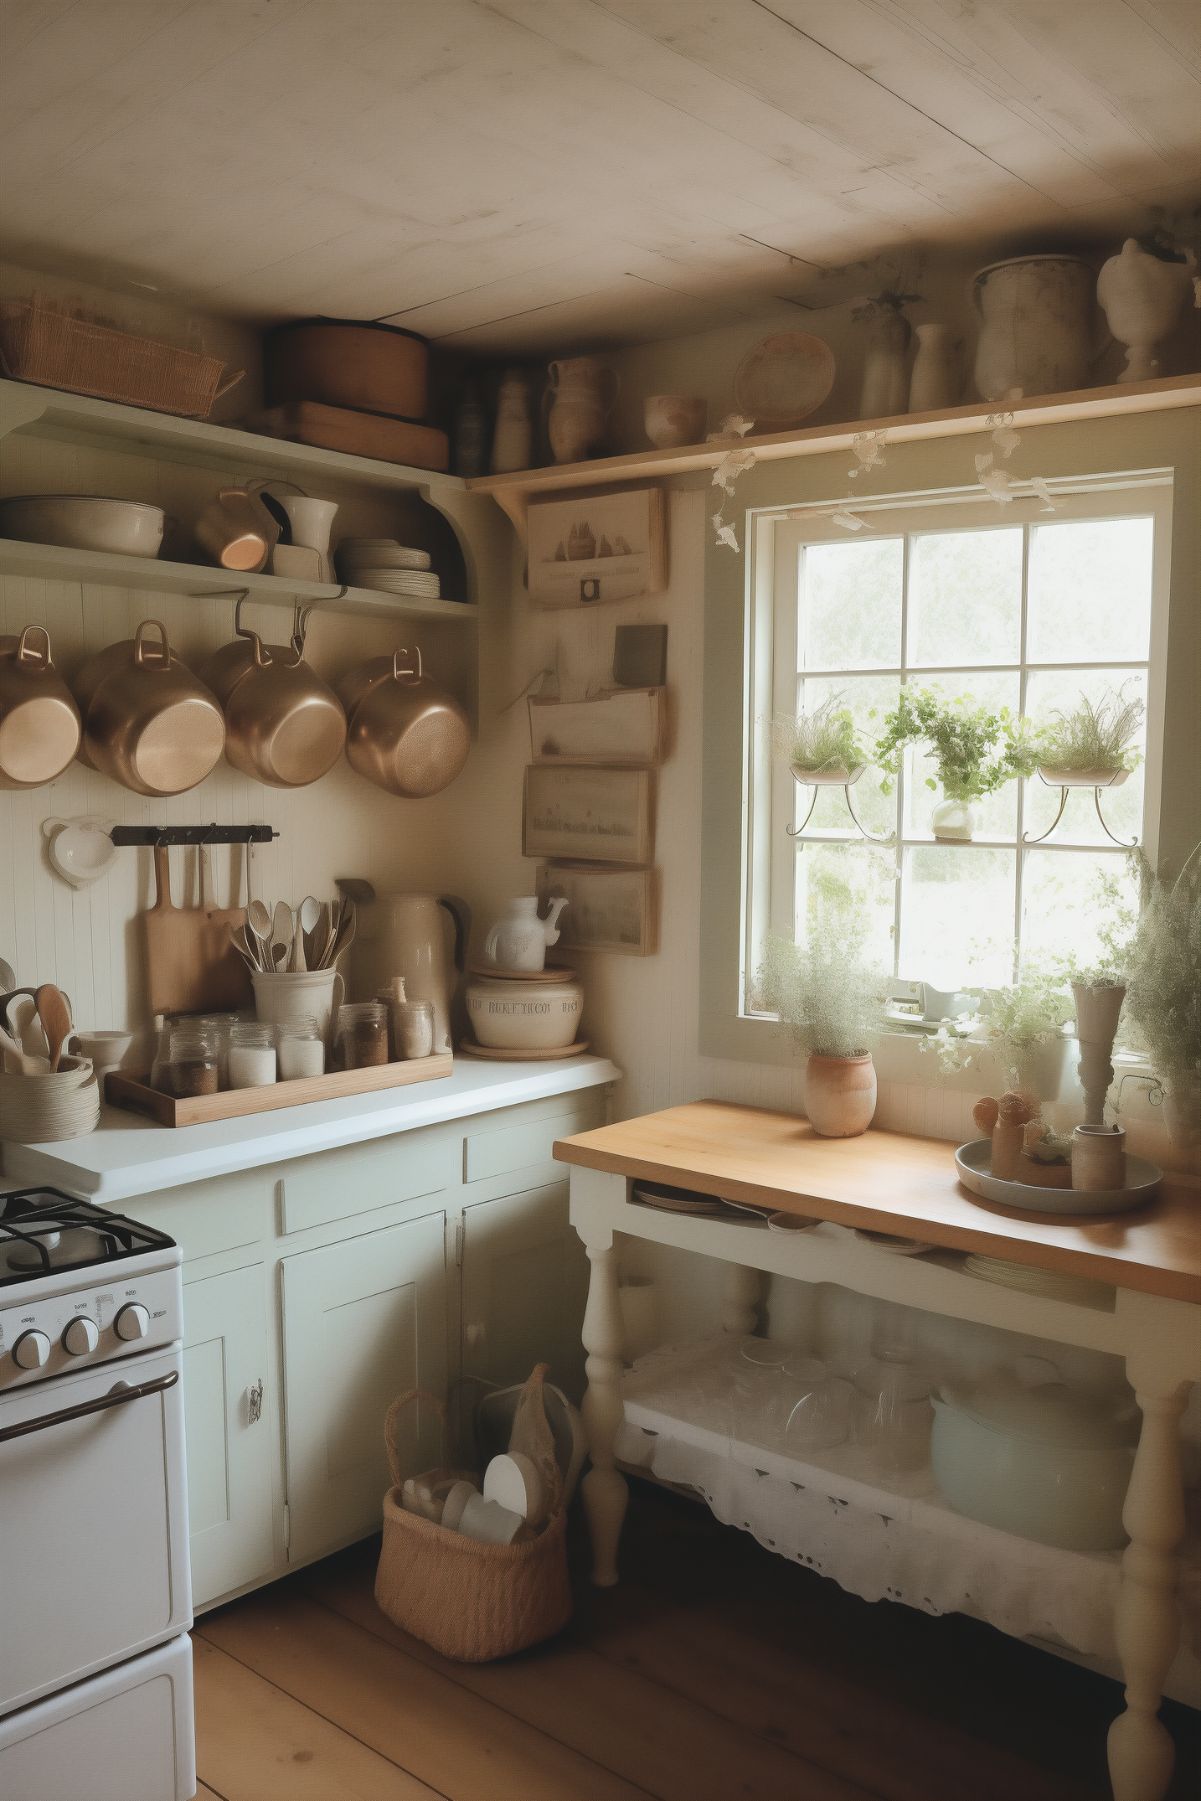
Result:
[
  {"x": 674, "y": 419},
  {"x": 1098, "y": 1158},
  {"x": 489, "y": 1522}
]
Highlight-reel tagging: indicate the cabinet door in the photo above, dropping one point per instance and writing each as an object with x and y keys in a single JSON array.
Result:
[
  {"x": 231, "y": 1443},
  {"x": 364, "y": 1321},
  {"x": 525, "y": 1280}
]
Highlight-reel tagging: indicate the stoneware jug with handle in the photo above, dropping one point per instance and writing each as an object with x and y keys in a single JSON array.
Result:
[
  {"x": 580, "y": 396},
  {"x": 406, "y": 935},
  {"x": 519, "y": 939}
]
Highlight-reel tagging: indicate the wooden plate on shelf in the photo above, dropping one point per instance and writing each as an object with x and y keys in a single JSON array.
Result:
[
  {"x": 783, "y": 378},
  {"x": 507, "y": 1054},
  {"x": 560, "y": 973}
]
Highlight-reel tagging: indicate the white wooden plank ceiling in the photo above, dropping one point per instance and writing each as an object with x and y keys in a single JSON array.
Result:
[{"x": 521, "y": 174}]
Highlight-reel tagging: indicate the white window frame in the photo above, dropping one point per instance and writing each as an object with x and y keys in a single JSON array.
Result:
[{"x": 774, "y": 539}]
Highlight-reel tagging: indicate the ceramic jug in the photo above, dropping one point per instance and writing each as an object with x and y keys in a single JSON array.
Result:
[
  {"x": 519, "y": 939},
  {"x": 1142, "y": 296},
  {"x": 580, "y": 397},
  {"x": 885, "y": 379},
  {"x": 1036, "y": 326},
  {"x": 934, "y": 378},
  {"x": 312, "y": 522},
  {"x": 405, "y": 935}
]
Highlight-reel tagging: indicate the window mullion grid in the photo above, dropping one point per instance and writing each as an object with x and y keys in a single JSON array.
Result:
[{"x": 1023, "y": 679}]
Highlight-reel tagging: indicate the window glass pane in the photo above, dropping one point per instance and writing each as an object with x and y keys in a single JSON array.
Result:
[
  {"x": 1090, "y": 591},
  {"x": 996, "y": 814},
  {"x": 957, "y": 916},
  {"x": 868, "y": 697},
  {"x": 965, "y": 597},
  {"x": 1064, "y": 905},
  {"x": 850, "y": 605},
  {"x": 1050, "y": 690},
  {"x": 857, "y": 873}
]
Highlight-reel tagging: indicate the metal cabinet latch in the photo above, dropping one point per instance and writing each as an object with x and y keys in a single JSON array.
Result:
[{"x": 254, "y": 1403}]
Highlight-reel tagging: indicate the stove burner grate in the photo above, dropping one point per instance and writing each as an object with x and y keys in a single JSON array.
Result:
[{"x": 44, "y": 1231}]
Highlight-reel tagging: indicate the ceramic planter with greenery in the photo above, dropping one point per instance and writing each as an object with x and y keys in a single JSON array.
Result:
[
  {"x": 1092, "y": 746},
  {"x": 1099, "y": 989},
  {"x": 829, "y": 998},
  {"x": 1163, "y": 992},
  {"x": 822, "y": 746},
  {"x": 1022, "y": 1025},
  {"x": 977, "y": 751}
]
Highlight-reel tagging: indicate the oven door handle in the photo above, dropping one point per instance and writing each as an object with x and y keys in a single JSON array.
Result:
[{"x": 116, "y": 1397}]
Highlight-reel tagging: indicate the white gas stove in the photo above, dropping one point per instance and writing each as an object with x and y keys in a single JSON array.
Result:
[{"x": 95, "y": 1663}]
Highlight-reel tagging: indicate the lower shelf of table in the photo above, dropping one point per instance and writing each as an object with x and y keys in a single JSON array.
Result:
[{"x": 900, "y": 1542}]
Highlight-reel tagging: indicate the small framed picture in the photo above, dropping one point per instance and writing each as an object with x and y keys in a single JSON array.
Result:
[
  {"x": 607, "y": 909},
  {"x": 625, "y": 725},
  {"x": 588, "y": 815},
  {"x": 596, "y": 547}
]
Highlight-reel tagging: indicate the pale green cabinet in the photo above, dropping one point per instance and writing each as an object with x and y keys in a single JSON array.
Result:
[{"x": 524, "y": 1283}]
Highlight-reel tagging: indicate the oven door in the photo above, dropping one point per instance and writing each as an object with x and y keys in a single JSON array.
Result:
[{"x": 93, "y": 1522}]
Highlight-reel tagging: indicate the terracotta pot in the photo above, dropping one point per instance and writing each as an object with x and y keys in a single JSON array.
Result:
[
  {"x": 580, "y": 397},
  {"x": 674, "y": 419},
  {"x": 840, "y": 1094}
]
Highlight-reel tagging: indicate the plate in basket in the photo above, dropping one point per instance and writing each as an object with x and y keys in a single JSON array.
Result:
[{"x": 1142, "y": 1181}]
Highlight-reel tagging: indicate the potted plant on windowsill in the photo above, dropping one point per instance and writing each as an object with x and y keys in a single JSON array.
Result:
[
  {"x": 976, "y": 751},
  {"x": 1022, "y": 1025},
  {"x": 1163, "y": 993},
  {"x": 829, "y": 998},
  {"x": 1099, "y": 990},
  {"x": 822, "y": 746},
  {"x": 1093, "y": 745}
]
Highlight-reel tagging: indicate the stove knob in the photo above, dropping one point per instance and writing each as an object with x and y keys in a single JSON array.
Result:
[
  {"x": 80, "y": 1337},
  {"x": 31, "y": 1350},
  {"x": 132, "y": 1322}
]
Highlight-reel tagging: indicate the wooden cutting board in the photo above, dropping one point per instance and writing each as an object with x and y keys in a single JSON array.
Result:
[
  {"x": 359, "y": 434},
  {"x": 191, "y": 967}
]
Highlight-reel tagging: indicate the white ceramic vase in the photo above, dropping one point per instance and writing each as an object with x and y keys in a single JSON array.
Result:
[
  {"x": 885, "y": 377},
  {"x": 840, "y": 1095},
  {"x": 953, "y": 820},
  {"x": 580, "y": 397},
  {"x": 513, "y": 438},
  {"x": 312, "y": 522},
  {"x": 1036, "y": 326},
  {"x": 934, "y": 380},
  {"x": 1141, "y": 296},
  {"x": 1097, "y": 1014}
]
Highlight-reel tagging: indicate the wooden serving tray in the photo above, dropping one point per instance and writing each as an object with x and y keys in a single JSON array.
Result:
[
  {"x": 136, "y": 1094},
  {"x": 358, "y": 434}
]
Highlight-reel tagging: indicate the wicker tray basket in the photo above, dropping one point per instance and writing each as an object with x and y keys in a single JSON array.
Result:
[
  {"x": 38, "y": 343},
  {"x": 470, "y": 1601}
]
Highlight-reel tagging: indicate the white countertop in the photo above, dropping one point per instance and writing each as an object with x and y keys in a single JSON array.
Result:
[{"x": 127, "y": 1155}]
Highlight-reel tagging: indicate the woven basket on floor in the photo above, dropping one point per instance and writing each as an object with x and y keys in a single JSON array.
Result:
[
  {"x": 470, "y": 1601},
  {"x": 38, "y": 343}
]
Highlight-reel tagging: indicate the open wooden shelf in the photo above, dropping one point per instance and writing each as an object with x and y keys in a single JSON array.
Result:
[
  {"x": 512, "y": 491},
  {"x": 104, "y": 569}
]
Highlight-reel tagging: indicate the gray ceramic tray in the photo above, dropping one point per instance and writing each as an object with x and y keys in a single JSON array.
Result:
[{"x": 1142, "y": 1181}]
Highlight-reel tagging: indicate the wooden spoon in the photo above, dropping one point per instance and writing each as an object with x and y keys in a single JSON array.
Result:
[
  {"x": 282, "y": 930},
  {"x": 304, "y": 919},
  {"x": 55, "y": 1016},
  {"x": 258, "y": 922}
]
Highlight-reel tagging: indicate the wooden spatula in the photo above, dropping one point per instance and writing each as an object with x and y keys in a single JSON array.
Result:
[{"x": 55, "y": 1016}]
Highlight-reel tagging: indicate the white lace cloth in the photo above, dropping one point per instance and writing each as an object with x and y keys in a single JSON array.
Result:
[{"x": 878, "y": 1544}]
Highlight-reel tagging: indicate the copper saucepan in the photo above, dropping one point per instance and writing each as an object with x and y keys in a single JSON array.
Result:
[
  {"x": 39, "y": 721},
  {"x": 148, "y": 722},
  {"x": 405, "y": 733},
  {"x": 283, "y": 724}
]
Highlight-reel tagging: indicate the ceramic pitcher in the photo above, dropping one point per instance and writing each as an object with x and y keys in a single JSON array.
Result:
[
  {"x": 519, "y": 939},
  {"x": 1036, "y": 326},
  {"x": 405, "y": 935},
  {"x": 580, "y": 396}
]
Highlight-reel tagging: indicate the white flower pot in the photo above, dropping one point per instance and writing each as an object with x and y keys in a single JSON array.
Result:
[
  {"x": 840, "y": 1095},
  {"x": 1141, "y": 296},
  {"x": 953, "y": 821}
]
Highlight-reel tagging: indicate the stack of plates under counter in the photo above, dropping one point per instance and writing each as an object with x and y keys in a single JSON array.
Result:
[
  {"x": 387, "y": 566},
  {"x": 1048, "y": 1283}
]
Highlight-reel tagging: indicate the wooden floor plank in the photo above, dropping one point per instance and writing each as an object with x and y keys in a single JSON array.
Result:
[
  {"x": 208, "y": 1794},
  {"x": 654, "y": 1736},
  {"x": 461, "y": 1745},
  {"x": 258, "y": 1744}
]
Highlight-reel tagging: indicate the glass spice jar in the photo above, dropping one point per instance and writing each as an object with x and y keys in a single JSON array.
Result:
[
  {"x": 220, "y": 1024},
  {"x": 300, "y": 1049},
  {"x": 194, "y": 1061},
  {"x": 251, "y": 1055},
  {"x": 363, "y": 1034},
  {"x": 415, "y": 1028}
]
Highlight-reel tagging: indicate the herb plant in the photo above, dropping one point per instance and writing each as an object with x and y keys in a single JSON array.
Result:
[
  {"x": 1163, "y": 987},
  {"x": 824, "y": 990},
  {"x": 821, "y": 738},
  {"x": 977, "y": 751},
  {"x": 1094, "y": 735},
  {"x": 1109, "y": 966}
]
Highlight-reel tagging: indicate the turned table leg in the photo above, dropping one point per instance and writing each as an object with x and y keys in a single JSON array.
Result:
[
  {"x": 604, "y": 1488},
  {"x": 1141, "y": 1753}
]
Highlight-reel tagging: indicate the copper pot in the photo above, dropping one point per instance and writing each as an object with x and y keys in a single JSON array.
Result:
[
  {"x": 147, "y": 721},
  {"x": 240, "y": 527},
  {"x": 283, "y": 724},
  {"x": 405, "y": 734},
  {"x": 39, "y": 721}
]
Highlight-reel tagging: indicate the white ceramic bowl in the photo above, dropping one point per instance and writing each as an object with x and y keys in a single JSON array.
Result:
[
  {"x": 128, "y": 528},
  {"x": 532, "y": 1016}
]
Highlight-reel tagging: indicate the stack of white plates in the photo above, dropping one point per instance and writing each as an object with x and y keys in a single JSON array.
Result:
[
  {"x": 40, "y": 1109},
  {"x": 361, "y": 558},
  {"x": 1045, "y": 1282},
  {"x": 400, "y": 581}
]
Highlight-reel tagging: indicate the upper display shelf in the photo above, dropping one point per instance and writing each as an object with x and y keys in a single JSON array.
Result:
[
  {"x": 513, "y": 490},
  {"x": 52, "y": 413}
]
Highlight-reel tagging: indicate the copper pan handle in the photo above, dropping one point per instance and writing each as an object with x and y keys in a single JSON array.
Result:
[
  {"x": 411, "y": 674},
  {"x": 139, "y": 644},
  {"x": 26, "y": 654}
]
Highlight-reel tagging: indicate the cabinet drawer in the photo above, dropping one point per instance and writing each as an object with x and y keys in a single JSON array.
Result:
[
  {"x": 338, "y": 1184},
  {"x": 204, "y": 1218},
  {"x": 522, "y": 1145}
]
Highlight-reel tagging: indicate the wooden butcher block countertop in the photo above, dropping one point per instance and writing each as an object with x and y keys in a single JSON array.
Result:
[{"x": 891, "y": 1182}]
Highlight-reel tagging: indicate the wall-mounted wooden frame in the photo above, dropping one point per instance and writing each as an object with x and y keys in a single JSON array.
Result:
[
  {"x": 597, "y": 547},
  {"x": 621, "y": 726},
  {"x": 607, "y": 909},
  {"x": 588, "y": 814}
]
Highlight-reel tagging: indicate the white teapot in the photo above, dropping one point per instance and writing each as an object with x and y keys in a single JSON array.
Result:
[{"x": 519, "y": 939}]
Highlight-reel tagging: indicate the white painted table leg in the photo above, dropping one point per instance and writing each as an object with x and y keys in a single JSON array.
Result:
[
  {"x": 604, "y": 1488},
  {"x": 1147, "y": 1619},
  {"x": 745, "y": 1289}
]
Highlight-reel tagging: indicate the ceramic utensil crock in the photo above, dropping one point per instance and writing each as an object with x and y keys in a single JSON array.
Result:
[{"x": 524, "y": 1015}]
